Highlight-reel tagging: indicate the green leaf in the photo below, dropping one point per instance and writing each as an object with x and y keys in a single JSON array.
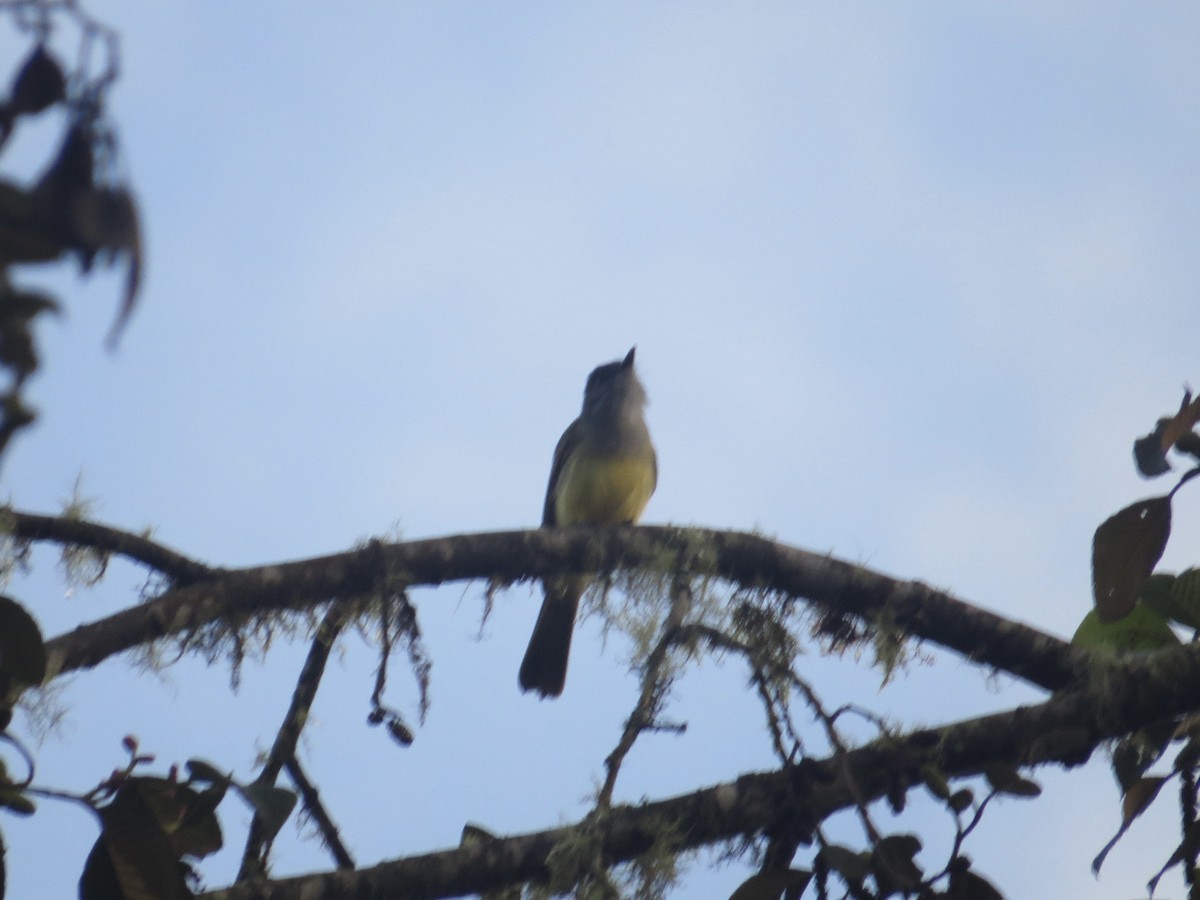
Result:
[
  {"x": 1125, "y": 549},
  {"x": 1005, "y": 779},
  {"x": 22, "y": 652},
  {"x": 17, "y": 802},
  {"x": 1185, "y": 592},
  {"x": 771, "y": 885},
  {"x": 1143, "y": 629},
  {"x": 1157, "y": 594},
  {"x": 272, "y": 805}
]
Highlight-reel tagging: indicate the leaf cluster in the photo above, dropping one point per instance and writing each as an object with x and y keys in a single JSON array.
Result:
[
  {"x": 77, "y": 208},
  {"x": 1137, "y": 610},
  {"x": 151, "y": 826}
]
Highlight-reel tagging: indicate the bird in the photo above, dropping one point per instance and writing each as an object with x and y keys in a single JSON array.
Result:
[{"x": 604, "y": 471}]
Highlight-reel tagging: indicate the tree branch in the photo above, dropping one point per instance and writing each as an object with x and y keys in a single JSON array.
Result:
[
  {"x": 1066, "y": 729},
  {"x": 331, "y": 837},
  {"x": 746, "y": 559},
  {"x": 283, "y": 751},
  {"x": 69, "y": 530},
  {"x": 656, "y": 683}
]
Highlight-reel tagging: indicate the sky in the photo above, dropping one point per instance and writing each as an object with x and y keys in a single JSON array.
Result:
[{"x": 905, "y": 282}]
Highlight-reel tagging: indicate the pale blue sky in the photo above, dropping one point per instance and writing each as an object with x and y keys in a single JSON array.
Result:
[{"x": 905, "y": 283}]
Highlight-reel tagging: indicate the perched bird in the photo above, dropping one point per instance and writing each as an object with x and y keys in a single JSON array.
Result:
[{"x": 603, "y": 473}]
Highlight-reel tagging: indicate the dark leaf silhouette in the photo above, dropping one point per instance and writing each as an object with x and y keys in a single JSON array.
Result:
[
  {"x": 1125, "y": 549},
  {"x": 22, "y": 653},
  {"x": 39, "y": 83},
  {"x": 133, "y": 859},
  {"x": 1150, "y": 451}
]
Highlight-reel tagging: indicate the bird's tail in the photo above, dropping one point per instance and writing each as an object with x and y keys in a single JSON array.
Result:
[{"x": 544, "y": 668}]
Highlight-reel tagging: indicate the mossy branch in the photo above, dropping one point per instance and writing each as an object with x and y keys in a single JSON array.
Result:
[
  {"x": 742, "y": 558},
  {"x": 1065, "y": 730}
]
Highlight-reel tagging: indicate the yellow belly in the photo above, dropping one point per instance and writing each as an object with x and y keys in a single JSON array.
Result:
[{"x": 596, "y": 491}]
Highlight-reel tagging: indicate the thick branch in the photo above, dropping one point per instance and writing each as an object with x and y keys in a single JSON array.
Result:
[
  {"x": 746, "y": 559},
  {"x": 1065, "y": 729}
]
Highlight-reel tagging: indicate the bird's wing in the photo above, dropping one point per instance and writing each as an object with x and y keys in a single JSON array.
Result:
[{"x": 566, "y": 446}]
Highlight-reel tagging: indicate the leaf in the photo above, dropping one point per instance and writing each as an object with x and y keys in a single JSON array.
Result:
[
  {"x": 199, "y": 834},
  {"x": 17, "y": 802},
  {"x": 1149, "y": 455},
  {"x": 1125, "y": 549},
  {"x": 1189, "y": 444},
  {"x": 966, "y": 885},
  {"x": 200, "y": 770},
  {"x": 105, "y": 221},
  {"x": 98, "y": 881},
  {"x": 23, "y": 238},
  {"x": 22, "y": 652},
  {"x": 133, "y": 858},
  {"x": 272, "y": 805},
  {"x": 935, "y": 782},
  {"x": 1185, "y": 593},
  {"x": 1181, "y": 424},
  {"x": 1157, "y": 593},
  {"x": 1005, "y": 779},
  {"x": 771, "y": 885},
  {"x": 852, "y": 865},
  {"x": 25, "y": 305},
  {"x": 894, "y": 866},
  {"x": 39, "y": 84},
  {"x": 1176, "y": 432},
  {"x": 71, "y": 173},
  {"x": 961, "y": 799},
  {"x": 1139, "y": 797},
  {"x": 184, "y": 814},
  {"x": 1143, "y": 629},
  {"x": 1134, "y": 754}
]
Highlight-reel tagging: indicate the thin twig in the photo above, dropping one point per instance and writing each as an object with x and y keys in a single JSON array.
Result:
[
  {"x": 757, "y": 801},
  {"x": 68, "y": 530},
  {"x": 654, "y": 688},
  {"x": 283, "y": 751},
  {"x": 311, "y": 798}
]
